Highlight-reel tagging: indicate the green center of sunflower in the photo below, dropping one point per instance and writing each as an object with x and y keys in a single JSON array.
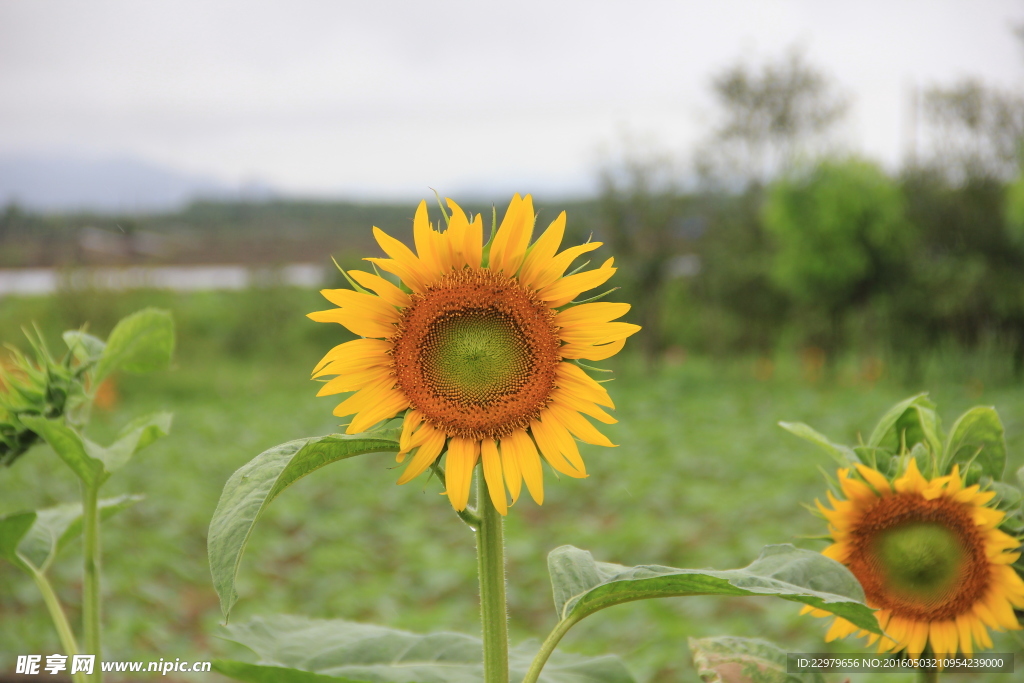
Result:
[
  {"x": 475, "y": 355},
  {"x": 921, "y": 560}
]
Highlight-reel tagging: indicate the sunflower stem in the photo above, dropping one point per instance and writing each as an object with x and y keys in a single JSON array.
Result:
[
  {"x": 91, "y": 590},
  {"x": 930, "y": 675},
  {"x": 490, "y": 549},
  {"x": 60, "y": 620}
]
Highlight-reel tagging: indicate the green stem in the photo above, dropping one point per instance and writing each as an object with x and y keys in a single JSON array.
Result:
[
  {"x": 930, "y": 675},
  {"x": 546, "y": 648},
  {"x": 490, "y": 549},
  {"x": 60, "y": 620},
  {"x": 91, "y": 592}
]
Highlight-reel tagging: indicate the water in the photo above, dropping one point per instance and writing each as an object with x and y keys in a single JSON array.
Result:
[{"x": 28, "y": 281}]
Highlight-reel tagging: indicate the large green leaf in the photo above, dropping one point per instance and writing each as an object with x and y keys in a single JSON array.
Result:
[
  {"x": 70, "y": 447},
  {"x": 85, "y": 347},
  {"x": 255, "y": 485},
  {"x": 135, "y": 436},
  {"x": 844, "y": 455},
  {"x": 13, "y": 528},
  {"x": 36, "y": 537},
  {"x": 583, "y": 586},
  {"x": 910, "y": 421},
  {"x": 727, "y": 659},
  {"x": 977, "y": 436},
  {"x": 55, "y": 527},
  {"x": 141, "y": 342},
  {"x": 299, "y": 650}
]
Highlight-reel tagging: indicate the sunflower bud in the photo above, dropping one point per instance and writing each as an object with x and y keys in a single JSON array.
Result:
[{"x": 36, "y": 385}]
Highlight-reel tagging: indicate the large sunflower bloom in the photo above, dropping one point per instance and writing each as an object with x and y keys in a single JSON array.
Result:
[
  {"x": 476, "y": 345},
  {"x": 930, "y": 557}
]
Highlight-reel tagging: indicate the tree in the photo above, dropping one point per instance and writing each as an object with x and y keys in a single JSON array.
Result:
[
  {"x": 640, "y": 205},
  {"x": 840, "y": 238},
  {"x": 976, "y": 131},
  {"x": 769, "y": 116}
]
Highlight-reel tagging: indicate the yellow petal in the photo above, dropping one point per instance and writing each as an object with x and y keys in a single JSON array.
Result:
[
  {"x": 578, "y": 425},
  {"x": 428, "y": 247},
  {"x": 597, "y": 333},
  {"x": 365, "y": 397},
  {"x": 426, "y": 454},
  {"x": 388, "y": 406},
  {"x": 509, "y": 247},
  {"x": 542, "y": 251},
  {"x": 458, "y": 474},
  {"x": 413, "y": 419},
  {"x": 401, "y": 253},
  {"x": 510, "y": 469},
  {"x": 568, "y": 288},
  {"x": 591, "y": 352},
  {"x": 963, "y": 629},
  {"x": 556, "y": 267},
  {"x": 572, "y": 401},
  {"x": 525, "y": 452},
  {"x": 387, "y": 291},
  {"x": 353, "y": 355},
  {"x": 875, "y": 478},
  {"x": 597, "y": 312},
  {"x": 575, "y": 379},
  {"x": 355, "y": 322},
  {"x": 492, "y": 467},
  {"x": 411, "y": 277},
  {"x": 566, "y": 444},
  {"x": 547, "y": 442},
  {"x": 353, "y": 381},
  {"x": 364, "y": 304},
  {"x": 473, "y": 249}
]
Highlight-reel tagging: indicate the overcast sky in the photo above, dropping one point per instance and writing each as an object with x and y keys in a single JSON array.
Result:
[{"x": 386, "y": 99}]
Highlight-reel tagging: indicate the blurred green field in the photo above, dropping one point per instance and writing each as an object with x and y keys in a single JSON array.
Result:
[{"x": 703, "y": 478}]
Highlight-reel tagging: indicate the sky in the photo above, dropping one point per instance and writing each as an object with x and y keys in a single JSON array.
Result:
[{"x": 387, "y": 99}]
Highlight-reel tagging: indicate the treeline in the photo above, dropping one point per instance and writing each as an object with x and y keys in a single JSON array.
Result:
[
  {"x": 769, "y": 236},
  {"x": 787, "y": 240}
]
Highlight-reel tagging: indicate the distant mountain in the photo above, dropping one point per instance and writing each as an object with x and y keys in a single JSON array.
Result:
[{"x": 117, "y": 184}]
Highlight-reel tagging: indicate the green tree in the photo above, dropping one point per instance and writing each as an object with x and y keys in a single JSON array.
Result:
[
  {"x": 840, "y": 239},
  {"x": 977, "y": 131},
  {"x": 768, "y": 116},
  {"x": 640, "y": 206}
]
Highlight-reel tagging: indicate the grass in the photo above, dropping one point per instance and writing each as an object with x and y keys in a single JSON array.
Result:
[{"x": 703, "y": 478}]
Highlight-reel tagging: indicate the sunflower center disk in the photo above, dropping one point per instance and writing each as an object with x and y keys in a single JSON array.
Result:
[
  {"x": 922, "y": 559},
  {"x": 476, "y": 353},
  {"x": 475, "y": 356}
]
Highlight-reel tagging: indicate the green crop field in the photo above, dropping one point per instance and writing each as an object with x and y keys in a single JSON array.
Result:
[{"x": 703, "y": 477}]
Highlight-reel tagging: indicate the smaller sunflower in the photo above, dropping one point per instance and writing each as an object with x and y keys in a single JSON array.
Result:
[{"x": 931, "y": 559}]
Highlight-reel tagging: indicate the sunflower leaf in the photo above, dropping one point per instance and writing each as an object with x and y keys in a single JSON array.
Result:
[
  {"x": 141, "y": 342},
  {"x": 257, "y": 483},
  {"x": 299, "y": 650},
  {"x": 727, "y": 659},
  {"x": 55, "y": 527},
  {"x": 134, "y": 436},
  {"x": 583, "y": 586},
  {"x": 977, "y": 436},
  {"x": 911, "y": 421},
  {"x": 841, "y": 454},
  {"x": 13, "y": 529},
  {"x": 85, "y": 347},
  {"x": 70, "y": 447}
]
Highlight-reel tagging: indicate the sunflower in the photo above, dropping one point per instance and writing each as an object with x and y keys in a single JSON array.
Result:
[
  {"x": 930, "y": 557},
  {"x": 477, "y": 347}
]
